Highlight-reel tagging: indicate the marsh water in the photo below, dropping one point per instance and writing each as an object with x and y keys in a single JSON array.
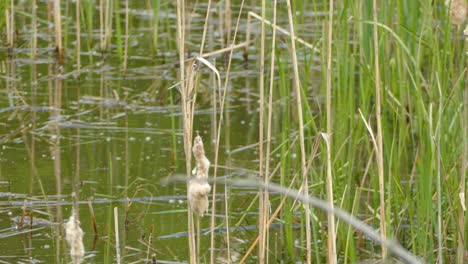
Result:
[{"x": 112, "y": 136}]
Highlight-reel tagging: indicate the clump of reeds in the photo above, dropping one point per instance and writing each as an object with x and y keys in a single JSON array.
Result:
[
  {"x": 199, "y": 188},
  {"x": 458, "y": 11},
  {"x": 74, "y": 234}
]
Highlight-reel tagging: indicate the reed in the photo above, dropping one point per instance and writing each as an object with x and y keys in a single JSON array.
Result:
[
  {"x": 187, "y": 92},
  {"x": 263, "y": 196},
  {"x": 268, "y": 131},
  {"x": 117, "y": 236},
  {"x": 331, "y": 240},
  {"x": 93, "y": 218},
  {"x": 10, "y": 23},
  {"x": 58, "y": 31},
  {"x": 379, "y": 150}
]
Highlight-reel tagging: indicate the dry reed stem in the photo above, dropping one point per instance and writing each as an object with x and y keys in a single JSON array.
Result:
[
  {"x": 379, "y": 152},
  {"x": 93, "y": 218},
  {"x": 58, "y": 30},
  {"x": 101, "y": 24},
  {"x": 224, "y": 50},
  {"x": 150, "y": 242},
  {"x": 297, "y": 88},
  {"x": 331, "y": 240},
  {"x": 458, "y": 11},
  {"x": 108, "y": 24},
  {"x": 10, "y": 25},
  {"x": 116, "y": 230},
  {"x": 269, "y": 120},
  {"x": 74, "y": 234},
  {"x": 187, "y": 116},
  {"x": 34, "y": 37},
  {"x": 376, "y": 149},
  {"x": 205, "y": 27},
  {"x": 262, "y": 203}
]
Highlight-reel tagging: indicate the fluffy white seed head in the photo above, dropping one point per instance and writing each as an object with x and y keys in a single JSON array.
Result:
[
  {"x": 458, "y": 11},
  {"x": 74, "y": 237},
  {"x": 198, "y": 191}
]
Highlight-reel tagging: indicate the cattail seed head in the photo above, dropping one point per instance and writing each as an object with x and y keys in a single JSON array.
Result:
[
  {"x": 202, "y": 162},
  {"x": 198, "y": 187},
  {"x": 458, "y": 11},
  {"x": 74, "y": 237},
  {"x": 198, "y": 191}
]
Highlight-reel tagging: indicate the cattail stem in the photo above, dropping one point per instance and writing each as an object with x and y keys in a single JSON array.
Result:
[
  {"x": 58, "y": 31},
  {"x": 379, "y": 153},
  {"x": 78, "y": 40},
  {"x": 10, "y": 25},
  {"x": 331, "y": 240}
]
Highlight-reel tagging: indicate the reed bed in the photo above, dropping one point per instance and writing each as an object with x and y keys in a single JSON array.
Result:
[{"x": 362, "y": 104}]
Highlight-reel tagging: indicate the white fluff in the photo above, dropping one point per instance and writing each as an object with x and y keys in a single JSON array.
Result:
[
  {"x": 74, "y": 237},
  {"x": 198, "y": 191}
]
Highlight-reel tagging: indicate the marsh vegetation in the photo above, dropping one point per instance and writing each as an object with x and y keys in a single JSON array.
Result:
[{"x": 320, "y": 131}]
